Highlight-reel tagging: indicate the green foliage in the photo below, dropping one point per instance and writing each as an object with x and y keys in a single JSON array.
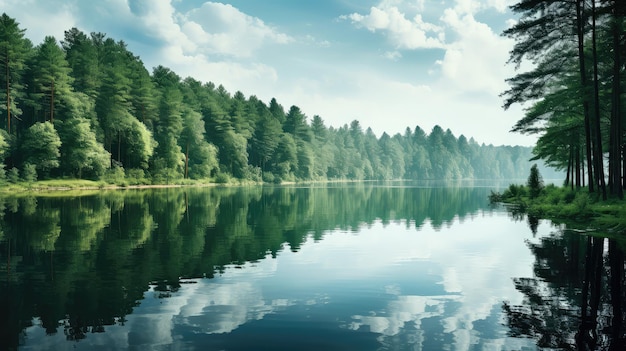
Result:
[
  {"x": 14, "y": 53},
  {"x": 222, "y": 178},
  {"x": 516, "y": 191},
  {"x": 109, "y": 109},
  {"x": 535, "y": 182},
  {"x": 50, "y": 80},
  {"x": 136, "y": 176},
  {"x": 81, "y": 154},
  {"x": 574, "y": 87},
  {"x": 4, "y": 144},
  {"x": 269, "y": 177},
  {"x": 13, "y": 175},
  {"x": 40, "y": 147},
  {"x": 29, "y": 173},
  {"x": 115, "y": 175}
]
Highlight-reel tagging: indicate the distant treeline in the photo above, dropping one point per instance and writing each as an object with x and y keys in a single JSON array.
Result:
[{"x": 88, "y": 108}]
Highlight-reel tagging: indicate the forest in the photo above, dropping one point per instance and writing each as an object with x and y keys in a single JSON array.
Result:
[
  {"x": 574, "y": 91},
  {"x": 86, "y": 107}
]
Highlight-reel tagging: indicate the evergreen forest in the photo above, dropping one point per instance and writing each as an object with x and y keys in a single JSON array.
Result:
[{"x": 85, "y": 107}]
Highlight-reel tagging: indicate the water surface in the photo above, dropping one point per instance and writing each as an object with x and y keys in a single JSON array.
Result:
[{"x": 336, "y": 267}]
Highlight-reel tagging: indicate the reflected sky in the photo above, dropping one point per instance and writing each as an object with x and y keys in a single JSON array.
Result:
[{"x": 380, "y": 287}]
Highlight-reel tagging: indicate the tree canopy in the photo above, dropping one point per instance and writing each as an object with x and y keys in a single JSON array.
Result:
[
  {"x": 574, "y": 90},
  {"x": 87, "y": 107}
]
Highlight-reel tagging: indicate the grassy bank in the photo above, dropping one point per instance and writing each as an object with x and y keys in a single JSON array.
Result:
[
  {"x": 563, "y": 205},
  {"x": 71, "y": 185}
]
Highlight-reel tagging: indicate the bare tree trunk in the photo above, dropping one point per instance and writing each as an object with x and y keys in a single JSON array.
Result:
[
  {"x": 119, "y": 147},
  {"x": 598, "y": 158},
  {"x": 569, "y": 175},
  {"x": 584, "y": 85},
  {"x": 8, "y": 94},
  {"x": 52, "y": 102},
  {"x": 578, "y": 166},
  {"x": 187, "y": 161},
  {"x": 615, "y": 142}
]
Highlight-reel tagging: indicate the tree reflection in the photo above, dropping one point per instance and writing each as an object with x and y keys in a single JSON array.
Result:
[
  {"x": 576, "y": 299},
  {"x": 78, "y": 264}
]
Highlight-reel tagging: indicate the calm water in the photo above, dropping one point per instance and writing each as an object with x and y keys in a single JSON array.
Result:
[{"x": 395, "y": 266}]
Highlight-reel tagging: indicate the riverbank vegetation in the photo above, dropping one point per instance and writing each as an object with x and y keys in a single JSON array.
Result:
[
  {"x": 87, "y": 108},
  {"x": 577, "y": 207}
]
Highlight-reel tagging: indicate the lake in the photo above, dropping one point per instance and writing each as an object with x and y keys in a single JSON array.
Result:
[{"x": 363, "y": 266}]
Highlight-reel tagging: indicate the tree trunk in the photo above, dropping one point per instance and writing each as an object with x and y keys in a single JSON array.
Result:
[
  {"x": 8, "y": 94},
  {"x": 623, "y": 166},
  {"x": 569, "y": 175},
  {"x": 119, "y": 147},
  {"x": 578, "y": 166},
  {"x": 598, "y": 158},
  {"x": 52, "y": 103},
  {"x": 615, "y": 138},
  {"x": 580, "y": 27},
  {"x": 187, "y": 161}
]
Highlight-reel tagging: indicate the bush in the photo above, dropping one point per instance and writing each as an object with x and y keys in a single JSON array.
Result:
[
  {"x": 29, "y": 173},
  {"x": 569, "y": 197},
  {"x": 13, "y": 176},
  {"x": 115, "y": 175},
  {"x": 581, "y": 201},
  {"x": 222, "y": 178},
  {"x": 268, "y": 177},
  {"x": 136, "y": 176}
]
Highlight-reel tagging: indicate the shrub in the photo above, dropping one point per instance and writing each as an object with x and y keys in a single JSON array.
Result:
[
  {"x": 29, "y": 173},
  {"x": 268, "y": 177},
  {"x": 13, "y": 176},
  {"x": 581, "y": 201},
  {"x": 136, "y": 176},
  {"x": 114, "y": 175},
  {"x": 222, "y": 178}
]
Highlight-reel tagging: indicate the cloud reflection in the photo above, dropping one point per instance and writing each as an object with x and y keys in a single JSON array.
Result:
[
  {"x": 415, "y": 287},
  {"x": 399, "y": 312}
]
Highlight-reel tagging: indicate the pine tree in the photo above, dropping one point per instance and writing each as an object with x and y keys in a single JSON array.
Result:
[{"x": 14, "y": 52}]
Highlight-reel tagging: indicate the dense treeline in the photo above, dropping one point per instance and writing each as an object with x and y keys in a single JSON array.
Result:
[
  {"x": 577, "y": 49},
  {"x": 88, "y": 108}
]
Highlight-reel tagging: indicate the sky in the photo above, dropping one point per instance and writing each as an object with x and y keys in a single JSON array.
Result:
[{"x": 390, "y": 64}]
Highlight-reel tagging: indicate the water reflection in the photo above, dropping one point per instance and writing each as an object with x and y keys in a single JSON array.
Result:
[
  {"x": 362, "y": 267},
  {"x": 575, "y": 298}
]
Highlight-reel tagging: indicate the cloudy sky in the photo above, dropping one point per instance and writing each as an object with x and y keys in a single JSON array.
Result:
[{"x": 390, "y": 64}]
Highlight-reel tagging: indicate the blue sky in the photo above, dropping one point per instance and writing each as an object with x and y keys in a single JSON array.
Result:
[{"x": 390, "y": 64}]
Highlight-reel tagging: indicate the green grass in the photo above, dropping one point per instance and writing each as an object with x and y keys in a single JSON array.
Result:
[{"x": 564, "y": 205}]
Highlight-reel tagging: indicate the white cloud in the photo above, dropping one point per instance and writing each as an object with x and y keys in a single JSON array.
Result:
[
  {"x": 402, "y": 32},
  {"x": 29, "y": 14},
  {"x": 222, "y": 29},
  {"x": 392, "y": 55},
  {"x": 473, "y": 6},
  {"x": 476, "y": 61}
]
